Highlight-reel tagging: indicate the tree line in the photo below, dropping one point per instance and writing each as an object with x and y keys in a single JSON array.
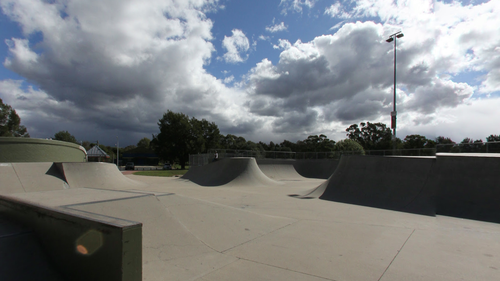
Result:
[{"x": 181, "y": 135}]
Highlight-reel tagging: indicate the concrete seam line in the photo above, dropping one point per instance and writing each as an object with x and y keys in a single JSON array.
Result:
[
  {"x": 399, "y": 251},
  {"x": 234, "y": 208},
  {"x": 167, "y": 209},
  {"x": 214, "y": 270},
  {"x": 18, "y": 178},
  {"x": 288, "y": 269},
  {"x": 248, "y": 241}
]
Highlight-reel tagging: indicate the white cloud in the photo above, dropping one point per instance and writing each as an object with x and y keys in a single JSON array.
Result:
[
  {"x": 282, "y": 44},
  {"x": 277, "y": 27},
  {"x": 229, "y": 79},
  {"x": 117, "y": 66},
  {"x": 107, "y": 68},
  {"x": 236, "y": 45},
  {"x": 296, "y": 5},
  {"x": 347, "y": 77},
  {"x": 336, "y": 11}
]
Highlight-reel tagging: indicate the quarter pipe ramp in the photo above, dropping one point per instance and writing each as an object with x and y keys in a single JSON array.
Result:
[
  {"x": 97, "y": 175},
  {"x": 394, "y": 183}
]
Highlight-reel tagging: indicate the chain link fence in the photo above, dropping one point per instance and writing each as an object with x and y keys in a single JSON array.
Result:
[
  {"x": 204, "y": 159},
  {"x": 477, "y": 147}
]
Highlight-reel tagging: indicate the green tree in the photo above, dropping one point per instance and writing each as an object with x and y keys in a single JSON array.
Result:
[
  {"x": 415, "y": 142},
  {"x": 371, "y": 135},
  {"x": 207, "y": 135},
  {"x": 65, "y": 136},
  {"x": 493, "y": 147},
  {"x": 180, "y": 136},
  {"x": 317, "y": 143},
  {"x": 10, "y": 123},
  {"x": 444, "y": 144},
  {"x": 233, "y": 142},
  {"x": 469, "y": 145},
  {"x": 349, "y": 145},
  {"x": 144, "y": 143}
]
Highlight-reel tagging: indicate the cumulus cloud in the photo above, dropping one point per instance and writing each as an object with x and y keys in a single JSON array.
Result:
[
  {"x": 282, "y": 44},
  {"x": 276, "y": 27},
  {"x": 107, "y": 68},
  {"x": 115, "y": 65},
  {"x": 337, "y": 11},
  {"x": 236, "y": 45},
  {"x": 347, "y": 77},
  {"x": 296, "y": 5}
]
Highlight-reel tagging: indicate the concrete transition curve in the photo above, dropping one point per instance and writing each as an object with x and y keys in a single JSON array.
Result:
[
  {"x": 395, "y": 183},
  {"x": 46, "y": 176},
  {"x": 279, "y": 169},
  {"x": 96, "y": 175},
  {"x": 293, "y": 170},
  {"x": 458, "y": 185},
  {"x": 234, "y": 171},
  {"x": 319, "y": 169}
]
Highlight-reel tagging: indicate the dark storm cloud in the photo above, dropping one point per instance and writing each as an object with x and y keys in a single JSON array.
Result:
[{"x": 296, "y": 122}]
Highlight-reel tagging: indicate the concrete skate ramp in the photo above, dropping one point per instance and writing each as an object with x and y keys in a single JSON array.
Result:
[
  {"x": 318, "y": 169},
  {"x": 30, "y": 177},
  {"x": 469, "y": 186},
  {"x": 234, "y": 171},
  {"x": 97, "y": 175},
  {"x": 394, "y": 183},
  {"x": 279, "y": 169}
]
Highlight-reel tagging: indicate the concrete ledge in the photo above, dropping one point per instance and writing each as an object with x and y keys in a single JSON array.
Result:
[
  {"x": 81, "y": 245},
  {"x": 14, "y": 150}
]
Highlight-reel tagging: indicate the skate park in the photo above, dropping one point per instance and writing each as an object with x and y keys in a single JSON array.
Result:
[{"x": 242, "y": 218}]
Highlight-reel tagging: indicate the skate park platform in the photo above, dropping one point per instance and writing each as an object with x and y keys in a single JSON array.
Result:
[{"x": 235, "y": 222}]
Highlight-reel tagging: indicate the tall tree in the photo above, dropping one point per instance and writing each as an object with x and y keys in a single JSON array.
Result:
[
  {"x": 444, "y": 144},
  {"x": 144, "y": 143},
  {"x": 414, "y": 142},
  {"x": 10, "y": 123},
  {"x": 492, "y": 138},
  {"x": 493, "y": 147},
  {"x": 207, "y": 135},
  {"x": 180, "y": 136},
  {"x": 65, "y": 136},
  {"x": 173, "y": 141},
  {"x": 371, "y": 135},
  {"x": 349, "y": 145}
]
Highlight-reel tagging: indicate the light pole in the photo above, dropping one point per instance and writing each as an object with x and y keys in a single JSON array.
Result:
[
  {"x": 394, "y": 37},
  {"x": 117, "y": 153}
]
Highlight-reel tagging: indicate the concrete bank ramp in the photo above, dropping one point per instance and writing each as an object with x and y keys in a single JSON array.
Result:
[
  {"x": 97, "y": 175},
  {"x": 294, "y": 170},
  {"x": 318, "y": 169},
  {"x": 279, "y": 169},
  {"x": 394, "y": 183},
  {"x": 469, "y": 186},
  {"x": 233, "y": 171},
  {"x": 30, "y": 177}
]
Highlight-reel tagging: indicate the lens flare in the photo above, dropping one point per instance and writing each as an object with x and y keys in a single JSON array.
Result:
[{"x": 89, "y": 242}]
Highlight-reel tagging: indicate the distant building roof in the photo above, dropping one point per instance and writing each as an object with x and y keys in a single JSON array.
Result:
[{"x": 96, "y": 151}]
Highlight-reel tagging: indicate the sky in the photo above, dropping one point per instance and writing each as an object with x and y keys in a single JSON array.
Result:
[{"x": 267, "y": 70}]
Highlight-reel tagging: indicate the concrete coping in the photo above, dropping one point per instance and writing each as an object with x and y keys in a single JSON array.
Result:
[
  {"x": 485, "y": 155},
  {"x": 66, "y": 210}
]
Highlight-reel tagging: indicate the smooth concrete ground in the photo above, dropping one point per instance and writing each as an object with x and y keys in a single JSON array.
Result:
[{"x": 255, "y": 232}]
